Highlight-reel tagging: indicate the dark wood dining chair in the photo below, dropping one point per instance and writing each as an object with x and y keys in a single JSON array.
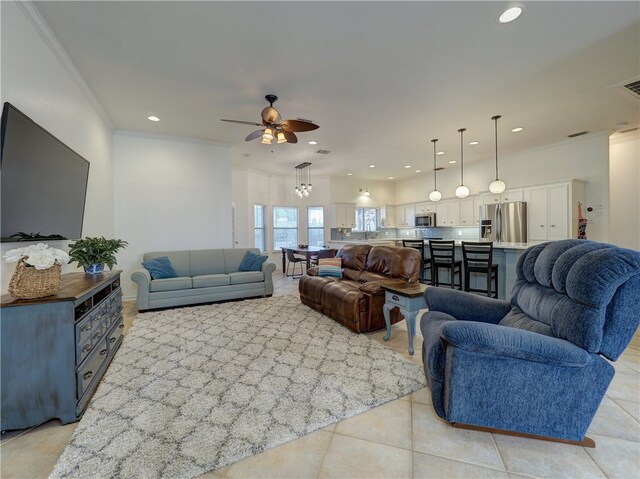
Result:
[
  {"x": 426, "y": 262},
  {"x": 323, "y": 253},
  {"x": 478, "y": 259},
  {"x": 443, "y": 256}
]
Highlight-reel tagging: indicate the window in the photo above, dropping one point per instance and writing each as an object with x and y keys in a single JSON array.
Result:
[
  {"x": 258, "y": 227},
  {"x": 315, "y": 223},
  {"x": 366, "y": 219},
  {"x": 285, "y": 226}
]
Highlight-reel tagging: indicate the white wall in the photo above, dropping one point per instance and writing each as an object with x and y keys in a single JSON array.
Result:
[
  {"x": 585, "y": 158},
  {"x": 170, "y": 194},
  {"x": 38, "y": 78},
  {"x": 624, "y": 171}
]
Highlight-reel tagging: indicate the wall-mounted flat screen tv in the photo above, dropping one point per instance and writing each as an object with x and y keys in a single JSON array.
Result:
[{"x": 43, "y": 182}]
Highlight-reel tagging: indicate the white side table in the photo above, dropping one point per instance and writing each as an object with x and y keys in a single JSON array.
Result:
[{"x": 410, "y": 300}]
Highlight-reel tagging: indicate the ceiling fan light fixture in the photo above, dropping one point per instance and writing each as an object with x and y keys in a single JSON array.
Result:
[{"x": 281, "y": 138}]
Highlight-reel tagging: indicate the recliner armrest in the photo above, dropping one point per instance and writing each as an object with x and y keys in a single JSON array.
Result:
[
  {"x": 376, "y": 287},
  {"x": 466, "y": 306},
  {"x": 506, "y": 342}
]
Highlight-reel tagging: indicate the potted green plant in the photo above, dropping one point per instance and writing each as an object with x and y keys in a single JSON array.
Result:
[{"x": 93, "y": 253}]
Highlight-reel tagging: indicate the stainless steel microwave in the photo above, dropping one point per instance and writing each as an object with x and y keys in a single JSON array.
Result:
[{"x": 426, "y": 221}]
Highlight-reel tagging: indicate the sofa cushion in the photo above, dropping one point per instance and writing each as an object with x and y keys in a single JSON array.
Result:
[
  {"x": 207, "y": 261},
  {"x": 352, "y": 274},
  {"x": 179, "y": 259},
  {"x": 354, "y": 256},
  {"x": 160, "y": 268},
  {"x": 367, "y": 276},
  {"x": 206, "y": 280},
  {"x": 234, "y": 256},
  {"x": 170, "y": 284},
  {"x": 242, "y": 277},
  {"x": 252, "y": 262},
  {"x": 403, "y": 263}
]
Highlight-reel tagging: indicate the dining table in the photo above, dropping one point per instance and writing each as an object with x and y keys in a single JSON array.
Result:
[{"x": 307, "y": 251}]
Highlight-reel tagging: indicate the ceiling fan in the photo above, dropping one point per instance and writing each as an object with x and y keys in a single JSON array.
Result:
[{"x": 274, "y": 127}]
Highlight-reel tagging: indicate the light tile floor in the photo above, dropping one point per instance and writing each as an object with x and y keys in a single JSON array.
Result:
[{"x": 403, "y": 438}]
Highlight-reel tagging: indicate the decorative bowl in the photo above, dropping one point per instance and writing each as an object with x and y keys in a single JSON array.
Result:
[{"x": 303, "y": 246}]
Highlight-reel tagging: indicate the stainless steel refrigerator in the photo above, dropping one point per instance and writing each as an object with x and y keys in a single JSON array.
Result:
[{"x": 504, "y": 222}]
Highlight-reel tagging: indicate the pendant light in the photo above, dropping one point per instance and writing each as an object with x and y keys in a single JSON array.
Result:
[
  {"x": 497, "y": 185},
  {"x": 435, "y": 195},
  {"x": 462, "y": 191}
]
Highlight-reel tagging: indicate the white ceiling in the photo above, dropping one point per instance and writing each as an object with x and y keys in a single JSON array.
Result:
[{"x": 380, "y": 78}]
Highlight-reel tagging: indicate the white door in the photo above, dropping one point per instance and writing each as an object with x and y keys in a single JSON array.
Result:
[{"x": 558, "y": 218}]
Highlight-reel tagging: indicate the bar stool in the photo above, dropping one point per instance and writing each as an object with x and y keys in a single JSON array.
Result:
[
  {"x": 478, "y": 258},
  {"x": 443, "y": 256},
  {"x": 426, "y": 262}
]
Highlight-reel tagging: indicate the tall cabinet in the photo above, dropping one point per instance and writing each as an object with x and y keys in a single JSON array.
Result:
[
  {"x": 56, "y": 349},
  {"x": 552, "y": 210}
]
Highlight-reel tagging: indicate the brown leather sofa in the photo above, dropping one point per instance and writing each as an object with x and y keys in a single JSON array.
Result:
[{"x": 356, "y": 300}]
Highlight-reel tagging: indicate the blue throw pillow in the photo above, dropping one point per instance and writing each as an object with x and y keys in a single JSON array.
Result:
[
  {"x": 326, "y": 270},
  {"x": 252, "y": 262},
  {"x": 160, "y": 268}
]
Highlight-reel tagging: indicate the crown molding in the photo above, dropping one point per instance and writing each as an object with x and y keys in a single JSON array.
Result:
[{"x": 33, "y": 15}]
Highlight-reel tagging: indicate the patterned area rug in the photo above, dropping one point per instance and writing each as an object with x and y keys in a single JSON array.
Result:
[{"x": 195, "y": 389}]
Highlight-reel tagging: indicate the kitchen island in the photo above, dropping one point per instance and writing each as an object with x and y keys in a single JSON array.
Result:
[{"x": 505, "y": 255}]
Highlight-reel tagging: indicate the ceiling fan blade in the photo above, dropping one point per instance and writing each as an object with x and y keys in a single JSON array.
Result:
[
  {"x": 298, "y": 125},
  {"x": 270, "y": 115},
  {"x": 253, "y": 123},
  {"x": 290, "y": 136},
  {"x": 254, "y": 135}
]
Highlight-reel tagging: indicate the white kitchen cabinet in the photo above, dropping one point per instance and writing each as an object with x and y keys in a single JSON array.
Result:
[
  {"x": 442, "y": 213},
  {"x": 490, "y": 199},
  {"x": 477, "y": 202},
  {"x": 387, "y": 216},
  {"x": 466, "y": 212},
  {"x": 509, "y": 196},
  {"x": 430, "y": 207},
  {"x": 399, "y": 216},
  {"x": 453, "y": 212},
  {"x": 410, "y": 216},
  {"x": 552, "y": 210},
  {"x": 421, "y": 208},
  {"x": 344, "y": 215}
]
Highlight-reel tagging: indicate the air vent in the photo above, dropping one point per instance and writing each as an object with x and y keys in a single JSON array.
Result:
[
  {"x": 629, "y": 130},
  {"x": 633, "y": 87},
  {"x": 323, "y": 152},
  {"x": 438, "y": 168},
  {"x": 580, "y": 133}
]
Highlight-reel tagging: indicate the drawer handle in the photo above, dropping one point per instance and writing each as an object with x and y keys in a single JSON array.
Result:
[
  {"x": 97, "y": 335},
  {"x": 85, "y": 328},
  {"x": 87, "y": 375},
  {"x": 86, "y": 348},
  {"x": 112, "y": 340},
  {"x": 121, "y": 325},
  {"x": 103, "y": 352},
  {"x": 395, "y": 298}
]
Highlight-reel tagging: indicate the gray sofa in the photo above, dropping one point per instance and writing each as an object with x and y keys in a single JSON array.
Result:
[{"x": 203, "y": 276}]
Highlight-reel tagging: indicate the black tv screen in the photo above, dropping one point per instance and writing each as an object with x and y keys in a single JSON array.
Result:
[{"x": 43, "y": 182}]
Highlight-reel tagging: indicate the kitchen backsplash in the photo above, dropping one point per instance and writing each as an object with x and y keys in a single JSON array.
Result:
[
  {"x": 449, "y": 233},
  {"x": 460, "y": 234},
  {"x": 346, "y": 234}
]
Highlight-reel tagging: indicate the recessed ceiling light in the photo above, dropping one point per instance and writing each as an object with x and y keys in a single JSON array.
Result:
[
  {"x": 313, "y": 142},
  {"x": 349, "y": 174},
  {"x": 153, "y": 118},
  {"x": 418, "y": 171},
  {"x": 451, "y": 162},
  {"x": 440, "y": 153},
  {"x": 372, "y": 166},
  {"x": 510, "y": 14},
  {"x": 516, "y": 130},
  {"x": 474, "y": 142},
  {"x": 407, "y": 166},
  {"x": 391, "y": 177}
]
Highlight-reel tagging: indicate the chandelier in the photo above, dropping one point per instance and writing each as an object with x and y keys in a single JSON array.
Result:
[{"x": 303, "y": 180}]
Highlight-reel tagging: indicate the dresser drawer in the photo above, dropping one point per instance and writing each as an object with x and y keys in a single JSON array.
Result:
[
  {"x": 89, "y": 369},
  {"x": 396, "y": 299},
  {"x": 115, "y": 334},
  {"x": 83, "y": 330}
]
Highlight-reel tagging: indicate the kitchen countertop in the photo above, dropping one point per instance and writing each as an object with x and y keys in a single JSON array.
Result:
[{"x": 496, "y": 245}]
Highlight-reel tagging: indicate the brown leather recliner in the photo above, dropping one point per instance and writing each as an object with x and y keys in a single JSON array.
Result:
[{"x": 356, "y": 300}]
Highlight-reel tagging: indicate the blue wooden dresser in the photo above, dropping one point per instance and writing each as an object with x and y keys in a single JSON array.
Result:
[{"x": 56, "y": 349}]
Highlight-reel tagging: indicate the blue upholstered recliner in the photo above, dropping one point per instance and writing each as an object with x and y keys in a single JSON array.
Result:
[{"x": 534, "y": 365}]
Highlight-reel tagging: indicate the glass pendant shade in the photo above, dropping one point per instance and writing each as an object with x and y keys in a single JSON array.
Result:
[
  {"x": 281, "y": 138},
  {"x": 497, "y": 186},
  {"x": 435, "y": 195},
  {"x": 462, "y": 191}
]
